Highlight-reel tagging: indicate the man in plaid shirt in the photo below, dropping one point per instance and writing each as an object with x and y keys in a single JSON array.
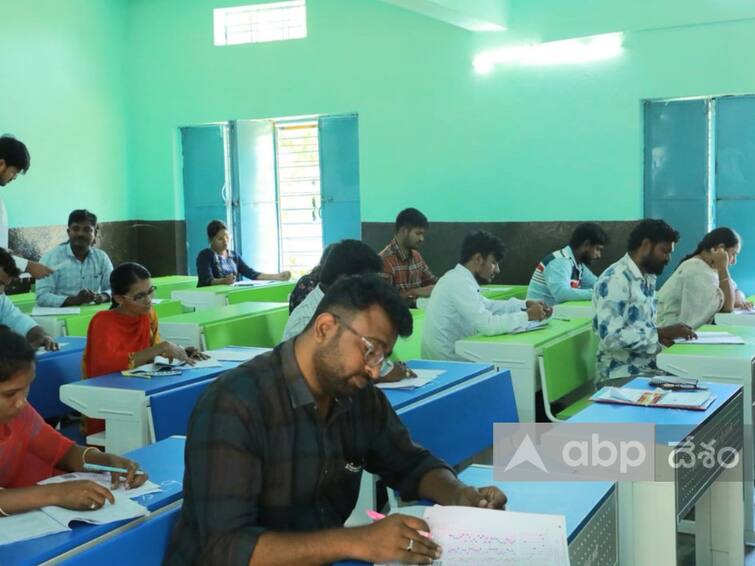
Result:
[
  {"x": 276, "y": 448},
  {"x": 403, "y": 265}
]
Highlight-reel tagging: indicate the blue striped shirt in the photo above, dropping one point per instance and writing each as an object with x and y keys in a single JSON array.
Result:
[{"x": 559, "y": 278}]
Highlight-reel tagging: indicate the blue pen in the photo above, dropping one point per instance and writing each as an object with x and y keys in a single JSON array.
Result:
[{"x": 99, "y": 468}]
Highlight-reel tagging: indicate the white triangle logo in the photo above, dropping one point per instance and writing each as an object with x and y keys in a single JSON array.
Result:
[{"x": 526, "y": 453}]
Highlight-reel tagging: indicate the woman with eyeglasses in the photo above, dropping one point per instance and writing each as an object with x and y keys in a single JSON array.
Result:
[{"x": 127, "y": 336}]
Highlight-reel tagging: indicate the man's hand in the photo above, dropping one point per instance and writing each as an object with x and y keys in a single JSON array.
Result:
[
  {"x": 85, "y": 296},
  {"x": 37, "y": 270},
  {"x": 536, "y": 310},
  {"x": 37, "y": 337},
  {"x": 489, "y": 497},
  {"x": 667, "y": 334},
  {"x": 100, "y": 298},
  {"x": 398, "y": 372},
  {"x": 396, "y": 538}
]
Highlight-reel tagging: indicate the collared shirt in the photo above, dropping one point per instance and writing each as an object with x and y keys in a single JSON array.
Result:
[
  {"x": 259, "y": 457},
  {"x": 625, "y": 306},
  {"x": 559, "y": 278},
  {"x": 21, "y": 263},
  {"x": 405, "y": 270},
  {"x": 71, "y": 275},
  {"x": 691, "y": 295},
  {"x": 13, "y": 318},
  {"x": 457, "y": 309},
  {"x": 302, "y": 314}
]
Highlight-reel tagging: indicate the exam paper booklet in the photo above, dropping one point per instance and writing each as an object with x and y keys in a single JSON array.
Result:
[
  {"x": 712, "y": 337},
  {"x": 693, "y": 400},
  {"x": 473, "y": 537},
  {"x": 52, "y": 520},
  {"x": 54, "y": 311},
  {"x": 163, "y": 366},
  {"x": 252, "y": 283},
  {"x": 424, "y": 376},
  {"x": 236, "y": 353},
  {"x": 533, "y": 325}
]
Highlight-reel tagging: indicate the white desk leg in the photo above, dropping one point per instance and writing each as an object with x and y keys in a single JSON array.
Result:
[
  {"x": 523, "y": 382},
  {"x": 124, "y": 435},
  {"x": 727, "y": 518},
  {"x": 647, "y": 523},
  {"x": 702, "y": 531}
]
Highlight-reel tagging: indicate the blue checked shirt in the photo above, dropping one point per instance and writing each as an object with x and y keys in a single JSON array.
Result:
[
  {"x": 72, "y": 275},
  {"x": 625, "y": 306}
]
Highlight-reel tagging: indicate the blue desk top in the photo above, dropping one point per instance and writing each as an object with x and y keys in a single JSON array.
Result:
[
  {"x": 455, "y": 373},
  {"x": 157, "y": 384},
  {"x": 165, "y": 464},
  {"x": 674, "y": 421},
  {"x": 73, "y": 344}
]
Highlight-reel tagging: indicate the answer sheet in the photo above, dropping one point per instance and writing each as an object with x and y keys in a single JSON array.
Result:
[{"x": 424, "y": 376}]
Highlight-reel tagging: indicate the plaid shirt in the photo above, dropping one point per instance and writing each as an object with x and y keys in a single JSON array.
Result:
[
  {"x": 259, "y": 457},
  {"x": 405, "y": 270},
  {"x": 71, "y": 275}
]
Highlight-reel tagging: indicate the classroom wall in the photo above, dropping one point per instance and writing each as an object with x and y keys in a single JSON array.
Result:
[
  {"x": 63, "y": 92},
  {"x": 545, "y": 143}
]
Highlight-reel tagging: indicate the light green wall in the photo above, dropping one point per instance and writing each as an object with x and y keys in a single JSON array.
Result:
[
  {"x": 101, "y": 87},
  {"x": 542, "y": 143},
  {"x": 62, "y": 92}
]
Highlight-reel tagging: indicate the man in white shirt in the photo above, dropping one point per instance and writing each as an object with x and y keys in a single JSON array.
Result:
[
  {"x": 457, "y": 309},
  {"x": 14, "y": 159}
]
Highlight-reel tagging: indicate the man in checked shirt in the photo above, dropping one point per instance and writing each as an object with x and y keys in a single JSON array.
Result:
[
  {"x": 403, "y": 265},
  {"x": 276, "y": 448}
]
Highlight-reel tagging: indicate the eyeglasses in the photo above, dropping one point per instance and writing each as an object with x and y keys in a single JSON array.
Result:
[
  {"x": 373, "y": 354},
  {"x": 140, "y": 297}
]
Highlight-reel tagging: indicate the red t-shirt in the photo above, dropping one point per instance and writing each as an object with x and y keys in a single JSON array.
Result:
[{"x": 29, "y": 449}]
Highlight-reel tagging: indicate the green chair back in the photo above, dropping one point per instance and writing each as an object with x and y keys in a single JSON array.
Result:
[
  {"x": 262, "y": 330},
  {"x": 269, "y": 294}
]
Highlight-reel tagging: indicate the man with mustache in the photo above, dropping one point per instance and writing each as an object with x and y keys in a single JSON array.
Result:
[
  {"x": 82, "y": 272},
  {"x": 565, "y": 275},
  {"x": 276, "y": 448},
  {"x": 625, "y": 305}
]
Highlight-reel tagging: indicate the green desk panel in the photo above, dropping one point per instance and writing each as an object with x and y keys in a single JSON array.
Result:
[
  {"x": 227, "y": 312},
  {"x": 169, "y": 283},
  {"x": 555, "y": 329}
]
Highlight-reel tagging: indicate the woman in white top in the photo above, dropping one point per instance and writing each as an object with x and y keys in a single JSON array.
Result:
[{"x": 701, "y": 286}]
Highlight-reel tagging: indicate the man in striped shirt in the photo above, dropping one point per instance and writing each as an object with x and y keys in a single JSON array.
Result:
[{"x": 564, "y": 275}]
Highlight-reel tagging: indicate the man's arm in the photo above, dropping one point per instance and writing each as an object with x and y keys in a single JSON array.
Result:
[
  {"x": 557, "y": 276},
  {"x": 475, "y": 308}
]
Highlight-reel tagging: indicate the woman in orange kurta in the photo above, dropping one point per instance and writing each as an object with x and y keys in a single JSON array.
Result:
[
  {"x": 31, "y": 450},
  {"x": 127, "y": 336}
]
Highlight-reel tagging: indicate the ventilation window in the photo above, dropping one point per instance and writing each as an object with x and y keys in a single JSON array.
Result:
[{"x": 257, "y": 23}]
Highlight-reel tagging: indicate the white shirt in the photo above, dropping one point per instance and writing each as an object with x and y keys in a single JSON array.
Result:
[
  {"x": 21, "y": 263},
  {"x": 457, "y": 309},
  {"x": 302, "y": 314},
  {"x": 691, "y": 295}
]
